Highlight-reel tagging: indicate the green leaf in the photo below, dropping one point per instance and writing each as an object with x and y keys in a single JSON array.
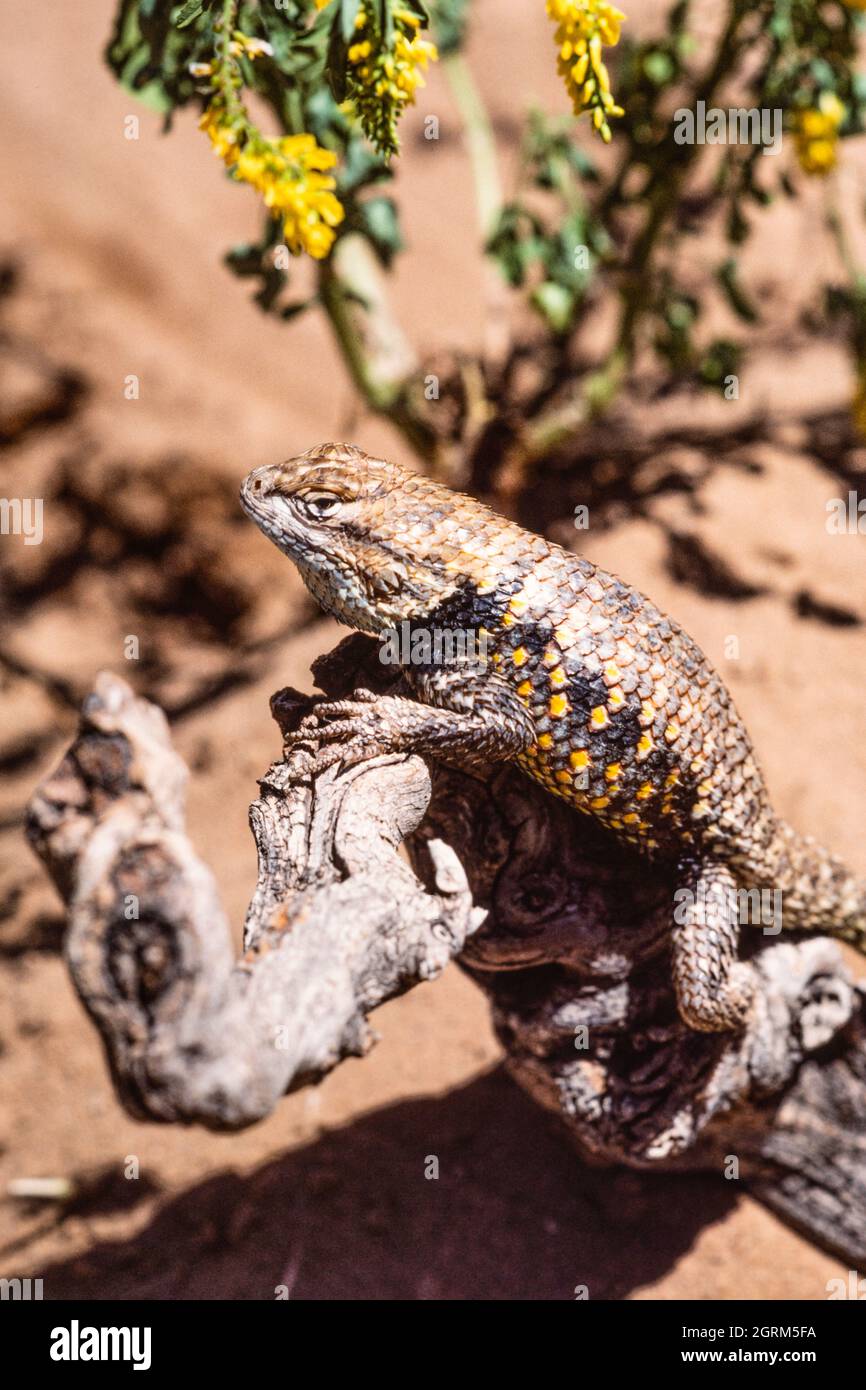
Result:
[
  {"x": 447, "y": 19},
  {"x": 337, "y": 60},
  {"x": 191, "y": 10},
  {"x": 658, "y": 67},
  {"x": 555, "y": 303},
  {"x": 360, "y": 167},
  {"x": 734, "y": 293},
  {"x": 379, "y": 223},
  {"x": 386, "y": 22},
  {"x": 348, "y": 14},
  {"x": 721, "y": 359}
]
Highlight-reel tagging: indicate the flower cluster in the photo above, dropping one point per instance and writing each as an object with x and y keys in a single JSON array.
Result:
[
  {"x": 382, "y": 79},
  {"x": 582, "y": 27},
  {"x": 291, "y": 173},
  {"x": 816, "y": 134}
]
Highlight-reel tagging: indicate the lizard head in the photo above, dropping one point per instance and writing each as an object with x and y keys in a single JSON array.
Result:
[{"x": 375, "y": 543}]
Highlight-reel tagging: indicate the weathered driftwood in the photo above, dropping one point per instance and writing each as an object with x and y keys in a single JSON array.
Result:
[{"x": 566, "y": 933}]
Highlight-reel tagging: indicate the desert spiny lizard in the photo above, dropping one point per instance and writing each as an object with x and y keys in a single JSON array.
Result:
[{"x": 572, "y": 674}]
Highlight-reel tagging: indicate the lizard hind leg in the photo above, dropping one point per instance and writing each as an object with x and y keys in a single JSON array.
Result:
[{"x": 714, "y": 988}]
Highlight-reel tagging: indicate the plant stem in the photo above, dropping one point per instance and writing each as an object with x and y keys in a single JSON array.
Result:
[
  {"x": 479, "y": 139},
  {"x": 377, "y": 355}
]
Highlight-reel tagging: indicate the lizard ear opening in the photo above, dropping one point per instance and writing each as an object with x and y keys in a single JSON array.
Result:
[{"x": 386, "y": 583}]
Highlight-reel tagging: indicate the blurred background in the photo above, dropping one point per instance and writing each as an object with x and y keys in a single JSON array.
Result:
[{"x": 111, "y": 267}]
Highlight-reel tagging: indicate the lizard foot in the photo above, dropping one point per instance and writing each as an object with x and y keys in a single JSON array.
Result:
[{"x": 350, "y": 731}]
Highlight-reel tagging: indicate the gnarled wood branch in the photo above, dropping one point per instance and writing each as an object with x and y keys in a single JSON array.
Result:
[{"x": 566, "y": 932}]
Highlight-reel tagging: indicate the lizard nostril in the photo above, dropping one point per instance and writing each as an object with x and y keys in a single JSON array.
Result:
[{"x": 257, "y": 485}]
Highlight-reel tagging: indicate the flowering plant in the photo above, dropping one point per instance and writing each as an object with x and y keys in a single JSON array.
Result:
[{"x": 603, "y": 202}]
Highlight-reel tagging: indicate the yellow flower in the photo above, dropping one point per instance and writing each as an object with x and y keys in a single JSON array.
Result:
[
  {"x": 382, "y": 81},
  {"x": 816, "y": 134},
  {"x": 290, "y": 174},
  {"x": 253, "y": 48},
  {"x": 582, "y": 27},
  {"x": 221, "y": 136}
]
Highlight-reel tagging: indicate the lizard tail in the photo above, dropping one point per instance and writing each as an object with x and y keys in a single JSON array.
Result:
[{"x": 818, "y": 891}]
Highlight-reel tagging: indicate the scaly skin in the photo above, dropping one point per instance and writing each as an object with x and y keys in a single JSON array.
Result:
[{"x": 586, "y": 685}]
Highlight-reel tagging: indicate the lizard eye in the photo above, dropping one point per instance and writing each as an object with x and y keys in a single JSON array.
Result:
[{"x": 321, "y": 504}]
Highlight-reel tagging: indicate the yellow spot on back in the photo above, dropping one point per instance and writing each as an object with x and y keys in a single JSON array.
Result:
[
  {"x": 507, "y": 620},
  {"x": 518, "y": 604},
  {"x": 545, "y": 741},
  {"x": 672, "y": 778},
  {"x": 598, "y": 803},
  {"x": 563, "y": 776},
  {"x": 558, "y": 677},
  {"x": 525, "y": 688},
  {"x": 645, "y": 746},
  {"x": 612, "y": 771},
  {"x": 558, "y": 705},
  {"x": 672, "y": 732},
  {"x": 599, "y": 717},
  {"x": 519, "y": 656},
  {"x": 579, "y": 758},
  {"x": 646, "y": 789},
  {"x": 616, "y": 698}
]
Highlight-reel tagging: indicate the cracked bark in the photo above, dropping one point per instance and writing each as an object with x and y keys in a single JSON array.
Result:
[{"x": 566, "y": 932}]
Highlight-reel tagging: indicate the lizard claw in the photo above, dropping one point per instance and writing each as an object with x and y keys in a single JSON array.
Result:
[
  {"x": 348, "y": 731},
  {"x": 345, "y": 755}
]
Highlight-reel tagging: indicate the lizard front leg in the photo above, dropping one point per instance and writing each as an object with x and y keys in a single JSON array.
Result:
[
  {"x": 714, "y": 988},
  {"x": 473, "y": 722}
]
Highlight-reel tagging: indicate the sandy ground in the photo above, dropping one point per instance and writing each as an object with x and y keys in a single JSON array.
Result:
[{"x": 115, "y": 246}]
